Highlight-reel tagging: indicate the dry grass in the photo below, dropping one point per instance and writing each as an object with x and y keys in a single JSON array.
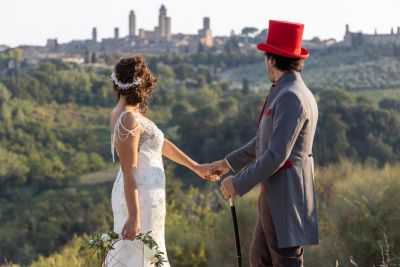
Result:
[{"x": 103, "y": 176}]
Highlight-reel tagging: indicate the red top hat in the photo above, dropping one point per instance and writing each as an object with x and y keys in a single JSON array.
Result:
[{"x": 284, "y": 39}]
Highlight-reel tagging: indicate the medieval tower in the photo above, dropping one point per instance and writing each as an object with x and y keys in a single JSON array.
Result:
[{"x": 132, "y": 24}]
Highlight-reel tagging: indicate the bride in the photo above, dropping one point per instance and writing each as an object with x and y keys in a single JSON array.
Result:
[{"x": 138, "y": 194}]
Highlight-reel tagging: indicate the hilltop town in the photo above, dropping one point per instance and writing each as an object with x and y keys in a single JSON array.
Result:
[{"x": 161, "y": 40}]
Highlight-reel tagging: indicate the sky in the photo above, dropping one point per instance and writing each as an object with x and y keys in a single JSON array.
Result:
[{"x": 34, "y": 21}]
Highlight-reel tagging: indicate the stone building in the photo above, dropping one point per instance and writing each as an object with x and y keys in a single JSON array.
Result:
[
  {"x": 157, "y": 41},
  {"x": 353, "y": 39},
  {"x": 132, "y": 24},
  {"x": 205, "y": 34}
]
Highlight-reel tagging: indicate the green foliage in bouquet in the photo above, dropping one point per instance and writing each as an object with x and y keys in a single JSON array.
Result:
[
  {"x": 152, "y": 251},
  {"x": 102, "y": 244}
]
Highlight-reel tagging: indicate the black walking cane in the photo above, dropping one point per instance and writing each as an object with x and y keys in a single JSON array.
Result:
[{"x": 235, "y": 230}]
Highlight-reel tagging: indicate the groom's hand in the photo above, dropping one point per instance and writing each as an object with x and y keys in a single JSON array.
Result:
[
  {"x": 203, "y": 170},
  {"x": 219, "y": 168},
  {"x": 227, "y": 188}
]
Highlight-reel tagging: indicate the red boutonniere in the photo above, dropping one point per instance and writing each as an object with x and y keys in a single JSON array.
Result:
[
  {"x": 268, "y": 112},
  {"x": 287, "y": 165}
]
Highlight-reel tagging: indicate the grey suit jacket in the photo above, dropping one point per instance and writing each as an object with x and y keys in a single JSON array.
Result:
[{"x": 280, "y": 157}]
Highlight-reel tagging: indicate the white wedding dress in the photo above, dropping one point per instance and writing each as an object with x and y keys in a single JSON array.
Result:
[{"x": 150, "y": 178}]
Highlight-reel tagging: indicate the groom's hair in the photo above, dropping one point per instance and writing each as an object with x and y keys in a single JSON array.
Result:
[{"x": 286, "y": 64}]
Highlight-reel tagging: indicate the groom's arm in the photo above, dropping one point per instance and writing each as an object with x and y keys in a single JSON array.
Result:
[
  {"x": 241, "y": 157},
  {"x": 287, "y": 123}
]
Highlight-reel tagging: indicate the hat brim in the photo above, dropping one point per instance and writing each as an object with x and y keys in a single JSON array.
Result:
[{"x": 280, "y": 52}]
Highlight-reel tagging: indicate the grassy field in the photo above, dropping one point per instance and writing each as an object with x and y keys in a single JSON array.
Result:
[
  {"x": 377, "y": 95},
  {"x": 103, "y": 176}
]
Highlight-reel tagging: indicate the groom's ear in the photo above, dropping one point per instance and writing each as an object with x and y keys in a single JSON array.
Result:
[{"x": 272, "y": 62}]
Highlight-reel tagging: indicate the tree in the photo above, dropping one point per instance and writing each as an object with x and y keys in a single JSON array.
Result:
[
  {"x": 232, "y": 45},
  {"x": 248, "y": 31},
  {"x": 5, "y": 95},
  {"x": 245, "y": 86},
  {"x": 390, "y": 103},
  {"x": 200, "y": 48},
  {"x": 13, "y": 169},
  {"x": 94, "y": 57},
  {"x": 16, "y": 55},
  {"x": 184, "y": 71},
  {"x": 316, "y": 40}
]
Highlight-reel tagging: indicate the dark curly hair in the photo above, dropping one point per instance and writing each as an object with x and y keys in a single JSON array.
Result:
[
  {"x": 286, "y": 64},
  {"x": 126, "y": 70}
]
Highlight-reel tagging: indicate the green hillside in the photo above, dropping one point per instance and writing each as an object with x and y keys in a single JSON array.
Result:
[
  {"x": 56, "y": 172},
  {"x": 358, "y": 210},
  {"x": 363, "y": 68}
]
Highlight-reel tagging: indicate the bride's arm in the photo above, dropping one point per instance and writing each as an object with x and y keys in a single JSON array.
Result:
[
  {"x": 128, "y": 154},
  {"x": 173, "y": 153}
]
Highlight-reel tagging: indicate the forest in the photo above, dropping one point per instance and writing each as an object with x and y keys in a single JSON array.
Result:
[{"x": 56, "y": 172}]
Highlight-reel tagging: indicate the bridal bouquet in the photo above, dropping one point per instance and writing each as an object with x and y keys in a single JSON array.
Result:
[{"x": 101, "y": 244}]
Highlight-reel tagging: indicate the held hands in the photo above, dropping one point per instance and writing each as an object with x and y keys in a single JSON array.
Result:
[
  {"x": 213, "y": 172},
  {"x": 131, "y": 228},
  {"x": 219, "y": 167},
  {"x": 203, "y": 170}
]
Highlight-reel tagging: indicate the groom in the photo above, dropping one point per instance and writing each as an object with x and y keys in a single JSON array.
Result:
[{"x": 279, "y": 157}]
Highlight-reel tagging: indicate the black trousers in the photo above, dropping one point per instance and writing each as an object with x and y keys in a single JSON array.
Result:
[{"x": 264, "y": 251}]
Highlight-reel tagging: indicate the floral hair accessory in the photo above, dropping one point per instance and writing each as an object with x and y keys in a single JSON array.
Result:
[{"x": 125, "y": 86}]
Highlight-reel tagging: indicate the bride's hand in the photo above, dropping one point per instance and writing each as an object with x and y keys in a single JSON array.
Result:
[
  {"x": 203, "y": 169},
  {"x": 131, "y": 228}
]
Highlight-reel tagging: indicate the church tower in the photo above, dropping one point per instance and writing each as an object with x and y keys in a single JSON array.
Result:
[
  {"x": 168, "y": 28},
  {"x": 162, "y": 21},
  {"x": 164, "y": 24},
  {"x": 116, "y": 33},
  {"x": 132, "y": 24},
  {"x": 205, "y": 34},
  {"x": 348, "y": 37},
  {"x": 206, "y": 23},
  {"x": 94, "y": 35}
]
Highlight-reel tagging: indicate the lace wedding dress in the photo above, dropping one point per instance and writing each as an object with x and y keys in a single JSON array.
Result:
[{"x": 150, "y": 178}]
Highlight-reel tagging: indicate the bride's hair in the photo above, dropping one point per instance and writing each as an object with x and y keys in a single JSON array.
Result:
[{"x": 128, "y": 70}]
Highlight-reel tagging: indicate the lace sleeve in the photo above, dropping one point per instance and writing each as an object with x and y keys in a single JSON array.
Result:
[{"x": 123, "y": 132}]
